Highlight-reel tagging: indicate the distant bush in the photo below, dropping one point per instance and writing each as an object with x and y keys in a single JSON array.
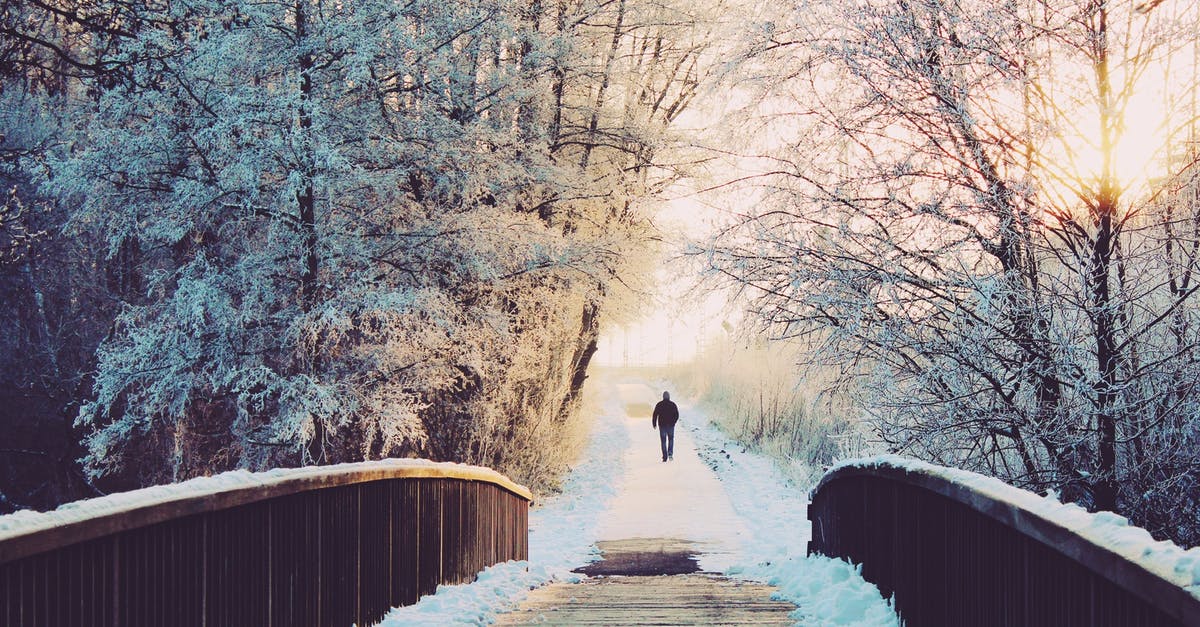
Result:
[{"x": 756, "y": 394}]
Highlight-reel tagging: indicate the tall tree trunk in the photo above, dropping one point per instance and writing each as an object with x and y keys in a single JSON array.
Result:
[
  {"x": 45, "y": 339},
  {"x": 305, "y": 196},
  {"x": 527, "y": 108},
  {"x": 559, "y": 78},
  {"x": 594, "y": 123},
  {"x": 1104, "y": 321},
  {"x": 585, "y": 347},
  {"x": 306, "y": 207},
  {"x": 1105, "y": 485}
]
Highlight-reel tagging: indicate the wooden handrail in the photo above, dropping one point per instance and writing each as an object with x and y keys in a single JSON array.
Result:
[
  {"x": 320, "y": 545},
  {"x": 908, "y": 524},
  {"x": 157, "y": 504}
]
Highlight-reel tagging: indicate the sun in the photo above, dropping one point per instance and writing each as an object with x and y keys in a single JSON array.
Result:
[
  {"x": 1140, "y": 144},
  {"x": 1150, "y": 116}
]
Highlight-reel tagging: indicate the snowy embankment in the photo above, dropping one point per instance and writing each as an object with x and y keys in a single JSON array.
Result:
[
  {"x": 828, "y": 592},
  {"x": 1105, "y": 529}
]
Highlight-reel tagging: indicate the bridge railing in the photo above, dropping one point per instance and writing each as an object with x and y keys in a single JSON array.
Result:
[
  {"x": 956, "y": 548},
  {"x": 321, "y": 546}
]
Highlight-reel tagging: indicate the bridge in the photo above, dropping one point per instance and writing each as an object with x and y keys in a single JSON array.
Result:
[
  {"x": 341, "y": 545},
  {"x": 321, "y": 546}
]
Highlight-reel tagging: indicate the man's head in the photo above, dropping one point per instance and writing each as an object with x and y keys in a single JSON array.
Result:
[{"x": 666, "y": 396}]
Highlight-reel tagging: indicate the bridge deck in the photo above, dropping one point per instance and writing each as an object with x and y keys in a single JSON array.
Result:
[
  {"x": 695, "y": 599},
  {"x": 651, "y": 581}
]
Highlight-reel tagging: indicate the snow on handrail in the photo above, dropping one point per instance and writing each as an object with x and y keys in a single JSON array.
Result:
[
  {"x": 25, "y": 533},
  {"x": 1105, "y": 529},
  {"x": 1103, "y": 542}
]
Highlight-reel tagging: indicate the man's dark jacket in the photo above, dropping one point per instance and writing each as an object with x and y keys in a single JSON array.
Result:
[{"x": 666, "y": 414}]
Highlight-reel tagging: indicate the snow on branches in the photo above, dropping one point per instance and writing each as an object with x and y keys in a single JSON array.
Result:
[
  {"x": 381, "y": 230},
  {"x": 955, "y": 218}
]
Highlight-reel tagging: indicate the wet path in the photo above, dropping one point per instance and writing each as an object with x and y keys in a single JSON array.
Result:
[{"x": 652, "y": 600}]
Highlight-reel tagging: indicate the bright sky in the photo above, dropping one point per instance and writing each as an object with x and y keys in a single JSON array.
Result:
[
  {"x": 1154, "y": 117},
  {"x": 676, "y": 329},
  {"x": 657, "y": 340},
  {"x": 682, "y": 322}
]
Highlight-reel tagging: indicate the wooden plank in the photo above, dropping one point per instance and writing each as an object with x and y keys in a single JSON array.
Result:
[{"x": 695, "y": 599}]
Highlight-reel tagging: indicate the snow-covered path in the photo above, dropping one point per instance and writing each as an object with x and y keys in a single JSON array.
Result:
[
  {"x": 679, "y": 499},
  {"x": 746, "y": 520}
]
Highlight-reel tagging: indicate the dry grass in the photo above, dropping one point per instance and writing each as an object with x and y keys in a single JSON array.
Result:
[{"x": 756, "y": 396}]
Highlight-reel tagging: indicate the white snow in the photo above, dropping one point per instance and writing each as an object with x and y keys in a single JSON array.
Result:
[
  {"x": 1103, "y": 528},
  {"x": 828, "y": 592},
  {"x": 747, "y": 520},
  {"x": 29, "y": 521},
  {"x": 680, "y": 499}
]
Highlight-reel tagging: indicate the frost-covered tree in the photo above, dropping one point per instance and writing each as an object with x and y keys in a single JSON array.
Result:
[
  {"x": 345, "y": 231},
  {"x": 314, "y": 202},
  {"x": 948, "y": 221}
]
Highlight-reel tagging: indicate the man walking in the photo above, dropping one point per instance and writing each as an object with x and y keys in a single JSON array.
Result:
[{"x": 666, "y": 414}]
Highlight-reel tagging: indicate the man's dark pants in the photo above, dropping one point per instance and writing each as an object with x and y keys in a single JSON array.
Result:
[{"x": 667, "y": 436}]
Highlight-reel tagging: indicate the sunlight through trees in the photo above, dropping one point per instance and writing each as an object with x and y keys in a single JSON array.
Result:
[{"x": 960, "y": 225}]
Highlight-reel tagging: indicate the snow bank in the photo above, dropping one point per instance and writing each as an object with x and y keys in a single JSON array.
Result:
[
  {"x": 1106, "y": 529},
  {"x": 562, "y": 535},
  {"x": 832, "y": 592},
  {"x": 828, "y": 592},
  {"x": 28, "y": 521}
]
